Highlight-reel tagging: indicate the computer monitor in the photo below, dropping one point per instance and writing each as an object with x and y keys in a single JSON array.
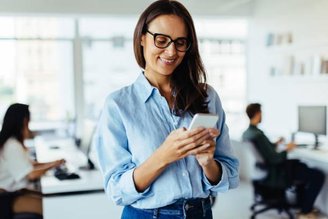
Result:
[
  {"x": 85, "y": 142},
  {"x": 313, "y": 119}
]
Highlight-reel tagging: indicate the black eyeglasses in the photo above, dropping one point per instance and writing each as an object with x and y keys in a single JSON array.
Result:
[{"x": 163, "y": 41}]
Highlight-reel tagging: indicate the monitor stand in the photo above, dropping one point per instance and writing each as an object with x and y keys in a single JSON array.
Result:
[
  {"x": 90, "y": 166},
  {"x": 316, "y": 142}
]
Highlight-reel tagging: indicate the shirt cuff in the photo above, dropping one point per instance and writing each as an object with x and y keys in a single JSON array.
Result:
[
  {"x": 129, "y": 193},
  {"x": 222, "y": 185}
]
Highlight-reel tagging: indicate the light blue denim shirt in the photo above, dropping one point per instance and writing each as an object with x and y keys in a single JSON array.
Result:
[{"x": 134, "y": 122}]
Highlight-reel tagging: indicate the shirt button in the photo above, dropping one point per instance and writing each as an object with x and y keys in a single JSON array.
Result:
[{"x": 184, "y": 174}]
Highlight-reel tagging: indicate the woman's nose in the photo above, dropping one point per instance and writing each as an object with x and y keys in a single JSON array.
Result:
[{"x": 171, "y": 50}]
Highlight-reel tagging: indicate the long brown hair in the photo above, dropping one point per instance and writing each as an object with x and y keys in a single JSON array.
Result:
[
  {"x": 13, "y": 123},
  {"x": 188, "y": 81}
]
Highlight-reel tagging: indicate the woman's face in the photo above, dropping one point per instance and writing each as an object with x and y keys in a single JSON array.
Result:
[
  {"x": 26, "y": 130},
  {"x": 162, "y": 62}
]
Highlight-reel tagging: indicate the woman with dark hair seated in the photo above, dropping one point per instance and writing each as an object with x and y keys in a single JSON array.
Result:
[{"x": 17, "y": 170}]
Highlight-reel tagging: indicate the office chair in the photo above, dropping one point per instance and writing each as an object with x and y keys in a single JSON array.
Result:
[
  {"x": 267, "y": 197},
  {"x": 6, "y": 210}
]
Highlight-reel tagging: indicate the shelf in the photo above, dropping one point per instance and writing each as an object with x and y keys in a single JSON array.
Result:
[
  {"x": 298, "y": 46},
  {"x": 302, "y": 78}
]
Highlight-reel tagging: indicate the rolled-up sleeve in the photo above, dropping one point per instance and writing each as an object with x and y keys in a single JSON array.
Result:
[{"x": 114, "y": 158}]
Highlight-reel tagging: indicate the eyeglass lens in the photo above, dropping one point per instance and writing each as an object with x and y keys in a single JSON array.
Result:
[{"x": 162, "y": 41}]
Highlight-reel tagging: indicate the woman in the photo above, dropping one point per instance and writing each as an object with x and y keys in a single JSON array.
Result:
[
  {"x": 16, "y": 168},
  {"x": 151, "y": 164}
]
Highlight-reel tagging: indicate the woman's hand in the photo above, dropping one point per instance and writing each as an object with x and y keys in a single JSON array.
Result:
[
  {"x": 41, "y": 168},
  {"x": 207, "y": 154},
  {"x": 181, "y": 143},
  {"x": 205, "y": 158},
  {"x": 57, "y": 163},
  {"x": 177, "y": 145}
]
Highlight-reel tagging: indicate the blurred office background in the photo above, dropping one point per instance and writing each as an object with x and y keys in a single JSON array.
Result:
[{"x": 64, "y": 57}]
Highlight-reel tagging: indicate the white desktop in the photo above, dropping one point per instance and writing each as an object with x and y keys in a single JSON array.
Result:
[{"x": 72, "y": 198}]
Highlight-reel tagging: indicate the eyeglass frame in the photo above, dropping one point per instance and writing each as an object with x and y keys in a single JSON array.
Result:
[{"x": 171, "y": 40}]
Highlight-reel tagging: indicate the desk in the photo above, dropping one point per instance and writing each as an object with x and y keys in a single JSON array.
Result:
[
  {"x": 318, "y": 159},
  {"x": 82, "y": 198}
]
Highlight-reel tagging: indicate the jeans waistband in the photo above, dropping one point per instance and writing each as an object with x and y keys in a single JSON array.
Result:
[
  {"x": 182, "y": 206},
  {"x": 187, "y": 203}
]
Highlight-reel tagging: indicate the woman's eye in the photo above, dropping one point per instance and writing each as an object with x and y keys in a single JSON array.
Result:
[
  {"x": 161, "y": 40},
  {"x": 181, "y": 42}
]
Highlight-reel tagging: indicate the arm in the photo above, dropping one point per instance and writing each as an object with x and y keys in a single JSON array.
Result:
[
  {"x": 179, "y": 144},
  {"x": 219, "y": 165},
  {"x": 40, "y": 169},
  {"x": 123, "y": 179},
  {"x": 267, "y": 150},
  {"x": 279, "y": 141},
  {"x": 36, "y": 174},
  {"x": 211, "y": 168},
  {"x": 48, "y": 164}
]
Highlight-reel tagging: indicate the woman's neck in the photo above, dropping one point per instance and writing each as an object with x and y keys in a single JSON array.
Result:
[{"x": 162, "y": 83}]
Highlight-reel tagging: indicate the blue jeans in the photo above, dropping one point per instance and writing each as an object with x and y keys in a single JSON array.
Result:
[{"x": 198, "y": 208}]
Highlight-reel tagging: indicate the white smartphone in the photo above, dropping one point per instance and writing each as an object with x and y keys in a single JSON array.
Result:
[{"x": 205, "y": 120}]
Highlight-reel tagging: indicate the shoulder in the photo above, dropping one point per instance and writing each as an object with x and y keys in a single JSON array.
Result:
[
  {"x": 122, "y": 95},
  {"x": 122, "y": 102},
  {"x": 12, "y": 145},
  {"x": 123, "y": 92},
  {"x": 13, "y": 142},
  {"x": 210, "y": 90},
  {"x": 213, "y": 100},
  {"x": 212, "y": 94},
  {"x": 251, "y": 133}
]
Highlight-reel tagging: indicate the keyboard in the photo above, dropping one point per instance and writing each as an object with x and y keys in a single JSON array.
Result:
[
  {"x": 63, "y": 174},
  {"x": 302, "y": 145}
]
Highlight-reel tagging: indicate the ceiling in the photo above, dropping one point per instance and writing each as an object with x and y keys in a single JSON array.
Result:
[{"x": 104, "y": 7}]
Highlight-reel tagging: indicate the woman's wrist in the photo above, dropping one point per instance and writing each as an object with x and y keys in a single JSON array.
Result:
[
  {"x": 160, "y": 159},
  {"x": 213, "y": 171},
  {"x": 210, "y": 163}
]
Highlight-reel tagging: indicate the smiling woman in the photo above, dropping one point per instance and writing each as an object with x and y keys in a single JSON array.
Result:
[{"x": 151, "y": 163}]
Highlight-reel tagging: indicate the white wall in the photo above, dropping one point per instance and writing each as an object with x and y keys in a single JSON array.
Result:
[{"x": 307, "y": 21}]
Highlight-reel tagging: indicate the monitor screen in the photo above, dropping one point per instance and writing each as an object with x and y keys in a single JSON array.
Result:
[{"x": 312, "y": 119}]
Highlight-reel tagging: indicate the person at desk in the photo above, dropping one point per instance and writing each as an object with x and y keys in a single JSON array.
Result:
[
  {"x": 17, "y": 170},
  {"x": 283, "y": 172},
  {"x": 151, "y": 164}
]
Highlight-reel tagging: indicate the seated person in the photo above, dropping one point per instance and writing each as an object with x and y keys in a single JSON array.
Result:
[
  {"x": 16, "y": 168},
  {"x": 281, "y": 171}
]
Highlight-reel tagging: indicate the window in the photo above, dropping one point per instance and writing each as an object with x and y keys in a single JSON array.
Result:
[
  {"x": 222, "y": 48},
  {"x": 64, "y": 68},
  {"x": 108, "y": 59},
  {"x": 37, "y": 67}
]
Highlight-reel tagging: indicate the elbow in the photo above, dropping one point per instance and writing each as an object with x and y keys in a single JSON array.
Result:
[
  {"x": 234, "y": 183},
  {"x": 35, "y": 174},
  {"x": 32, "y": 176}
]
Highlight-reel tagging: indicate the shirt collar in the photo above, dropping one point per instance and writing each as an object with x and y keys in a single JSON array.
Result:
[
  {"x": 144, "y": 88},
  {"x": 253, "y": 126}
]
